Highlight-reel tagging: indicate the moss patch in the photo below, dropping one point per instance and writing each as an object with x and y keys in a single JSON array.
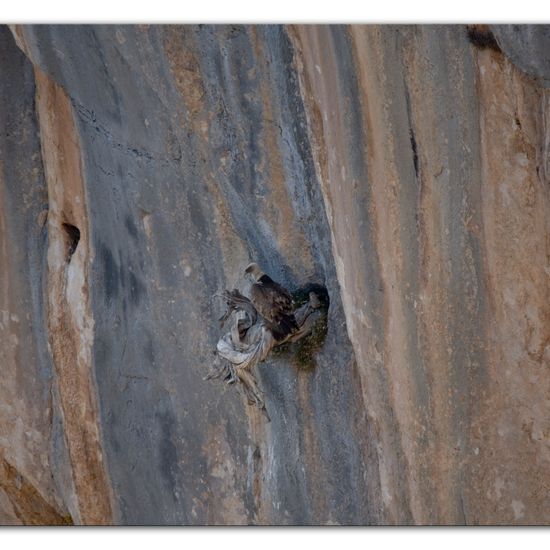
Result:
[
  {"x": 67, "y": 520},
  {"x": 303, "y": 354}
]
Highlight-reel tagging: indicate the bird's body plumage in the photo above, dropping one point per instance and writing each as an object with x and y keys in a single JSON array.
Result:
[{"x": 273, "y": 302}]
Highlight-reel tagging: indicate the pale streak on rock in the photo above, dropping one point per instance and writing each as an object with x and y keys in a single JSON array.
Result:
[
  {"x": 331, "y": 138},
  {"x": 70, "y": 320},
  {"x": 516, "y": 229},
  {"x": 28, "y": 492}
]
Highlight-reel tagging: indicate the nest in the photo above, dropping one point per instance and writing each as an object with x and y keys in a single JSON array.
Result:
[{"x": 249, "y": 340}]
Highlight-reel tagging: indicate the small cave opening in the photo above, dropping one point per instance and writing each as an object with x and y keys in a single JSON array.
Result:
[{"x": 72, "y": 237}]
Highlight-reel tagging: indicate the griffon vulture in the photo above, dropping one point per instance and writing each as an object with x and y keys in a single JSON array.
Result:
[{"x": 273, "y": 302}]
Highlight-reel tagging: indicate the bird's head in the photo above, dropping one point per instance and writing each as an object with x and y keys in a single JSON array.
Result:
[{"x": 253, "y": 272}]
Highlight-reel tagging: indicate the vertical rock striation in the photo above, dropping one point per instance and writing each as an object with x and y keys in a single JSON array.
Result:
[
  {"x": 403, "y": 167},
  {"x": 29, "y": 429},
  {"x": 432, "y": 151},
  {"x": 70, "y": 323}
]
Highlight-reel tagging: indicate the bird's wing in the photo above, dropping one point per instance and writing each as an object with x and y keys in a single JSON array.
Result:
[{"x": 272, "y": 301}]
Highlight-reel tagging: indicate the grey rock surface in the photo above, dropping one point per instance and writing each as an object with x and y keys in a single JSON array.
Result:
[{"x": 527, "y": 47}]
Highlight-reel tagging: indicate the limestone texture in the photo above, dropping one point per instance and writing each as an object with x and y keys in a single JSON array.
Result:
[{"x": 404, "y": 168}]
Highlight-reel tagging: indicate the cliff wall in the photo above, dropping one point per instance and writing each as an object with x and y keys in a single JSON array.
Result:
[{"x": 402, "y": 167}]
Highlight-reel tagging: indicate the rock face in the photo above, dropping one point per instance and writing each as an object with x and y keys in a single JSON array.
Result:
[{"x": 403, "y": 168}]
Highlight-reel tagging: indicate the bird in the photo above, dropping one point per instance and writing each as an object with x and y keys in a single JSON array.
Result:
[{"x": 273, "y": 302}]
